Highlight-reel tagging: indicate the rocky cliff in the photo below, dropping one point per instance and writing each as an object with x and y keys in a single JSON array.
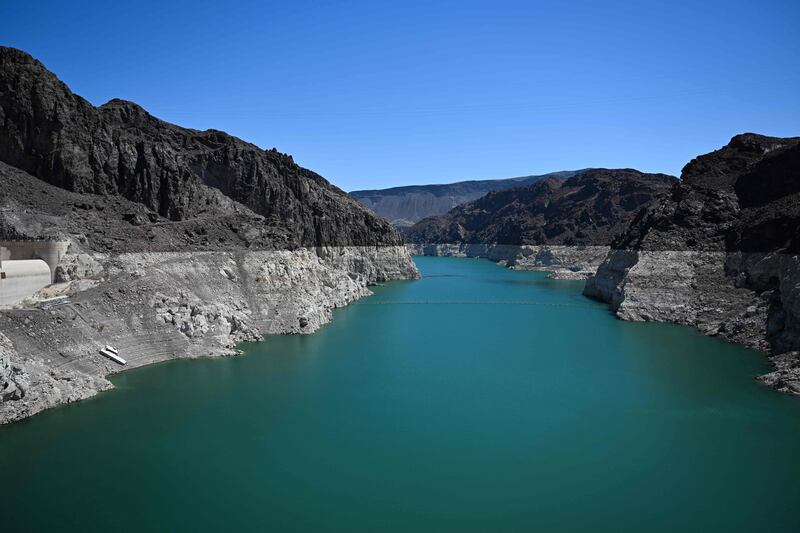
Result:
[
  {"x": 179, "y": 243},
  {"x": 719, "y": 252},
  {"x": 176, "y": 173},
  {"x": 564, "y": 225},
  {"x": 403, "y": 206}
]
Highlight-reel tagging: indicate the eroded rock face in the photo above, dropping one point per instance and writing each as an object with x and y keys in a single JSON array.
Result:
[
  {"x": 786, "y": 376},
  {"x": 719, "y": 251},
  {"x": 9, "y": 390},
  {"x": 165, "y": 305},
  {"x": 29, "y": 385},
  {"x": 175, "y": 173}
]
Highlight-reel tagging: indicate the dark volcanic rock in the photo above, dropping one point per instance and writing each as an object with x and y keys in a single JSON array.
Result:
[
  {"x": 742, "y": 197},
  {"x": 177, "y": 173},
  {"x": 403, "y": 206},
  {"x": 589, "y": 208},
  {"x": 33, "y": 209}
]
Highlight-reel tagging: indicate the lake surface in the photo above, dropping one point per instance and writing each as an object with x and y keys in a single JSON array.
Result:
[{"x": 475, "y": 399}]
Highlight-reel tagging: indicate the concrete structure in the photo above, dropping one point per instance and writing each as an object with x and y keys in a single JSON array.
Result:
[
  {"x": 50, "y": 252},
  {"x": 20, "y": 279},
  {"x": 26, "y": 267}
]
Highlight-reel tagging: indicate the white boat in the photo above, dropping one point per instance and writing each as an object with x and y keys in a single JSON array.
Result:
[{"x": 113, "y": 356}]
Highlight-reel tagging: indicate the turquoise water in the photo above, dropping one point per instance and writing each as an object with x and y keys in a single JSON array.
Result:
[{"x": 475, "y": 399}]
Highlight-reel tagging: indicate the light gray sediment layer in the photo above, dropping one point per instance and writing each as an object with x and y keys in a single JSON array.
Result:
[
  {"x": 749, "y": 298},
  {"x": 158, "y": 306},
  {"x": 564, "y": 262}
]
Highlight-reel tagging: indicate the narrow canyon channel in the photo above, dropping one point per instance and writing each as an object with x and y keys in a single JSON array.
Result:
[{"x": 475, "y": 399}]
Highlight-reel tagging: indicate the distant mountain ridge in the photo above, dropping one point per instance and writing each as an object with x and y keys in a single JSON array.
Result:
[
  {"x": 588, "y": 209},
  {"x": 406, "y": 205}
]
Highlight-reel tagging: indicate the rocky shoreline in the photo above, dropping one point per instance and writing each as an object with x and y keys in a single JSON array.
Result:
[
  {"x": 720, "y": 253},
  {"x": 697, "y": 289},
  {"x": 563, "y": 262},
  {"x": 751, "y": 299},
  {"x": 683, "y": 287},
  {"x": 717, "y": 250},
  {"x": 159, "y": 306}
]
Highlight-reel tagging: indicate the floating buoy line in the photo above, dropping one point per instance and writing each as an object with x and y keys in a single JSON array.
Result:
[{"x": 476, "y": 302}]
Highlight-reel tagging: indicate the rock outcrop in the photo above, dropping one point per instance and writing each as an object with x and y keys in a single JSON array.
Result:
[
  {"x": 561, "y": 225},
  {"x": 720, "y": 251},
  {"x": 9, "y": 390},
  {"x": 404, "y": 206},
  {"x": 179, "y": 243},
  {"x": 786, "y": 376}
]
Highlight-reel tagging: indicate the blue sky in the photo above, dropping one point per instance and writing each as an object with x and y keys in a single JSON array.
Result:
[{"x": 374, "y": 94}]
